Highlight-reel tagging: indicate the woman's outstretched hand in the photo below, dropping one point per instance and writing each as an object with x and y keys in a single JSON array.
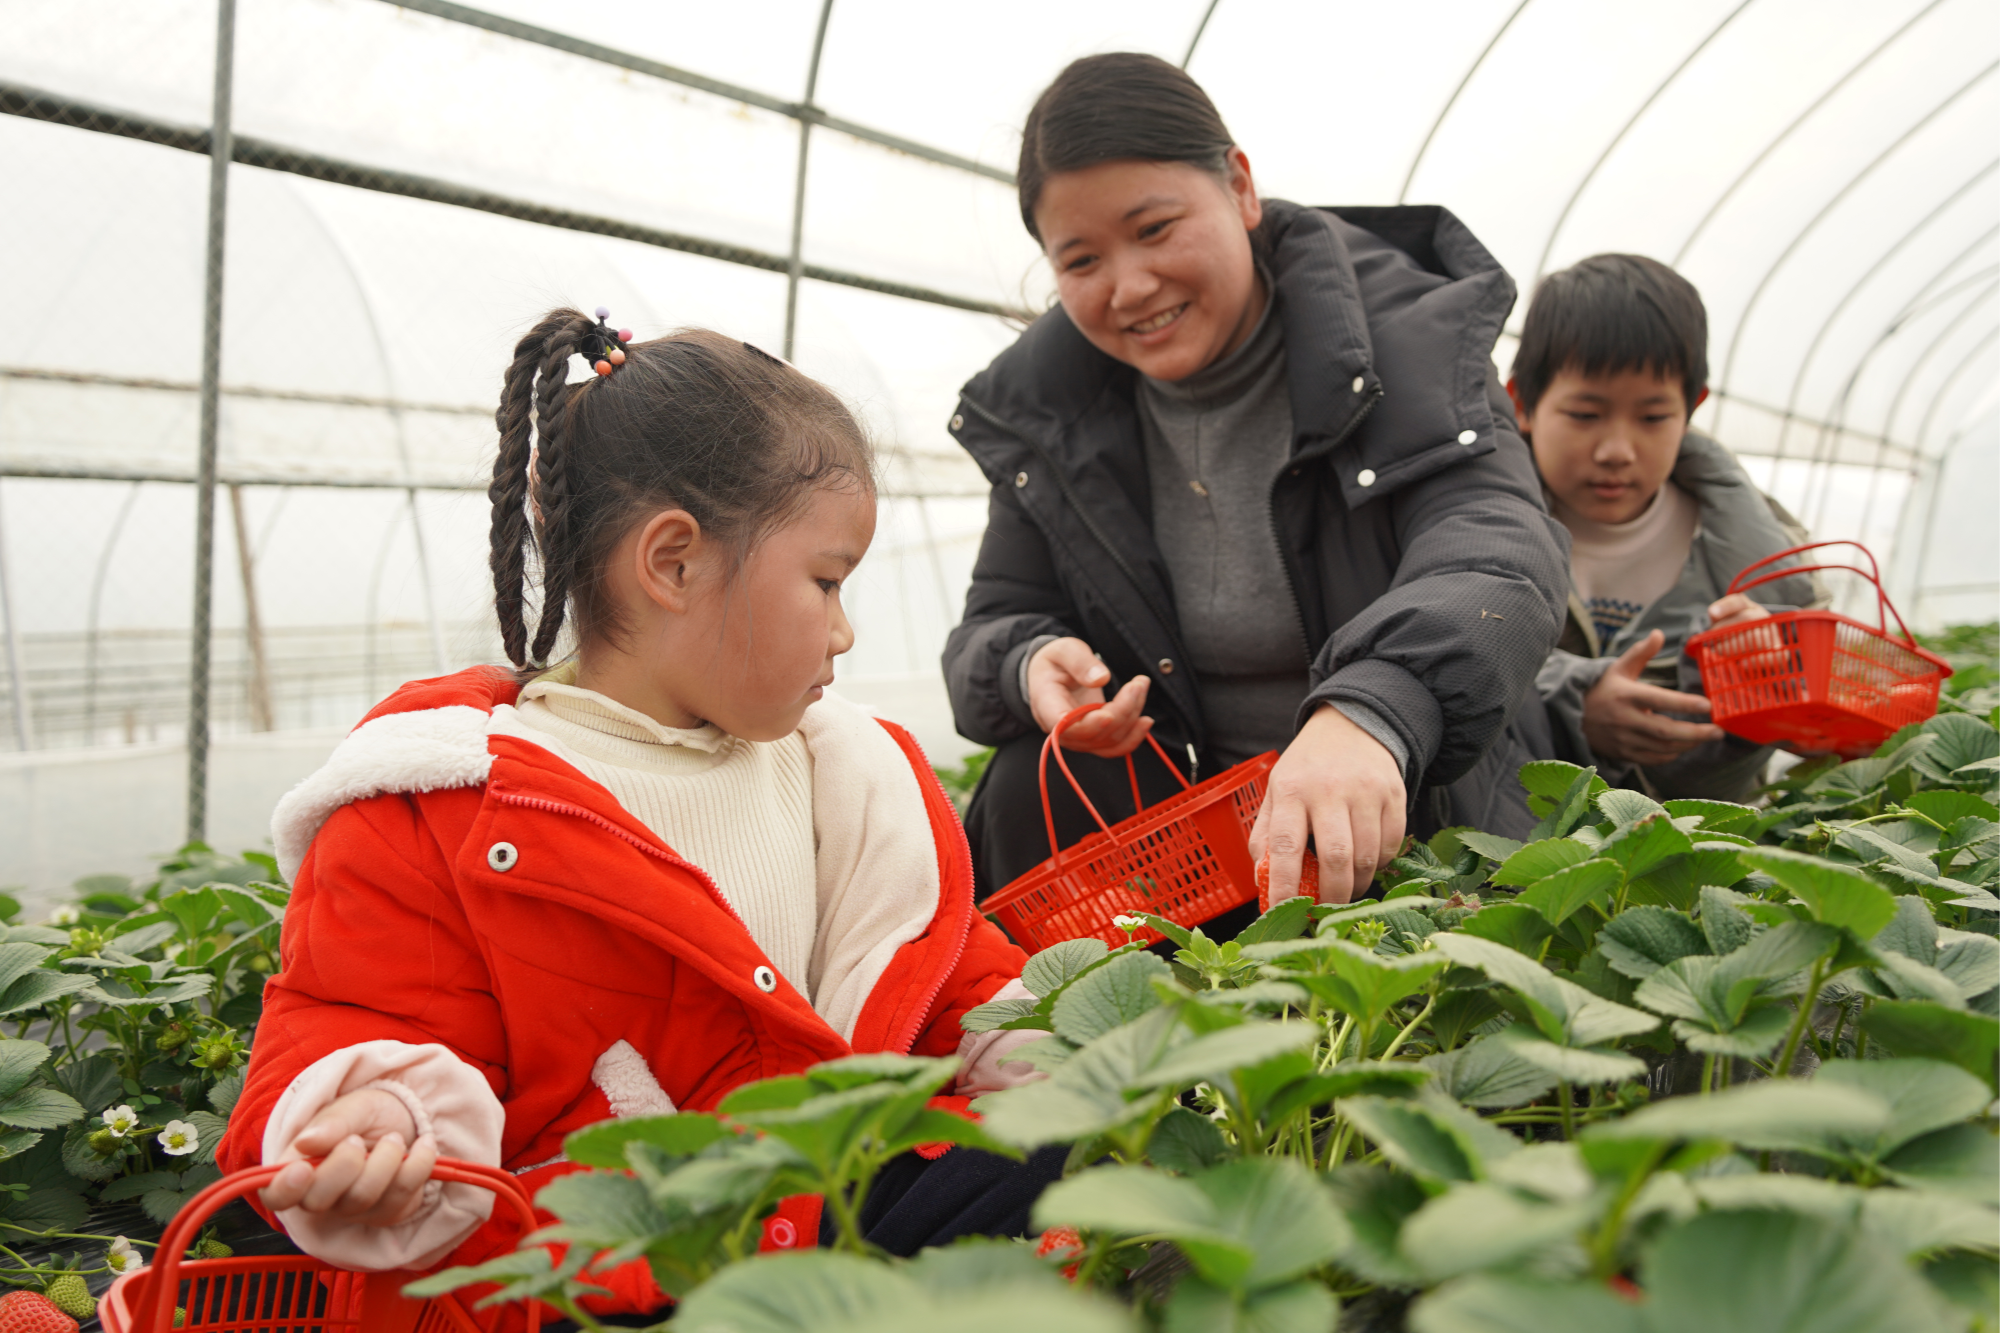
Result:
[
  {"x": 1064, "y": 675},
  {"x": 371, "y": 1173},
  {"x": 1339, "y": 785}
]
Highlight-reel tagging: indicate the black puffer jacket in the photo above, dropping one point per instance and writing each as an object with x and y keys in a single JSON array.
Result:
[{"x": 1430, "y": 581}]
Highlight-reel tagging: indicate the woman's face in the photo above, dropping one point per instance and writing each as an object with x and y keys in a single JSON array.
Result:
[{"x": 1152, "y": 260}]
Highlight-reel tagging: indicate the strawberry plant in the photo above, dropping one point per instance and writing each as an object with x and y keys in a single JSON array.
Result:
[
  {"x": 1660, "y": 1067},
  {"x": 130, "y": 1011}
]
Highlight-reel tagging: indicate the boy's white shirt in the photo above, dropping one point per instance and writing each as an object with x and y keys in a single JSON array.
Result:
[{"x": 878, "y": 889}]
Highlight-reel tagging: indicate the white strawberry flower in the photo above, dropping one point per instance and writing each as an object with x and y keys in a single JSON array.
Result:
[
  {"x": 121, "y": 1120},
  {"x": 1128, "y": 922},
  {"x": 179, "y": 1138},
  {"x": 66, "y": 915},
  {"x": 122, "y": 1258}
]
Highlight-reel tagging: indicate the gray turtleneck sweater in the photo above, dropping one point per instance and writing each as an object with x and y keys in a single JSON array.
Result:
[{"x": 1215, "y": 443}]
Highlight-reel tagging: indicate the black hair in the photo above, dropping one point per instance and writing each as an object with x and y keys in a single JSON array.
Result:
[
  {"x": 694, "y": 421},
  {"x": 1610, "y": 314},
  {"x": 1117, "y": 107}
]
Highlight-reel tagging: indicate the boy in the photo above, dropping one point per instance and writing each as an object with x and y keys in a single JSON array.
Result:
[{"x": 1612, "y": 363}]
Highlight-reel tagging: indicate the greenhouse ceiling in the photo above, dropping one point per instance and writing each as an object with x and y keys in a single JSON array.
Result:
[{"x": 425, "y": 179}]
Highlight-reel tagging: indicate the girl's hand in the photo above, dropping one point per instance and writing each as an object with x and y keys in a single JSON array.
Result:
[
  {"x": 1064, "y": 675},
  {"x": 1735, "y": 609},
  {"x": 1622, "y": 717},
  {"x": 368, "y": 1173},
  {"x": 1338, "y": 784}
]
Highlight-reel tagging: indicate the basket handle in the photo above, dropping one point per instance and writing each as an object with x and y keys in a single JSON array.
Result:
[
  {"x": 1053, "y": 745},
  {"x": 165, "y": 1282},
  {"x": 1884, "y": 608}
]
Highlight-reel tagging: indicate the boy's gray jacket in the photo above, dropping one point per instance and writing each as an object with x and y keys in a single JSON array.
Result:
[
  {"x": 1738, "y": 525},
  {"x": 1428, "y": 578}
]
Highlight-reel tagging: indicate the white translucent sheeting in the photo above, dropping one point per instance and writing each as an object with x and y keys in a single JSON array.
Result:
[{"x": 1823, "y": 170}]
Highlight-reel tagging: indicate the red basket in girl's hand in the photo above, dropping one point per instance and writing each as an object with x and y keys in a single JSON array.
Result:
[
  {"x": 1186, "y": 859},
  {"x": 1816, "y": 682},
  {"x": 289, "y": 1293}
]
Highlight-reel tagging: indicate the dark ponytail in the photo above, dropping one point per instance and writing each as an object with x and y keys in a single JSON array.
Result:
[
  {"x": 693, "y": 421},
  {"x": 1118, "y": 107}
]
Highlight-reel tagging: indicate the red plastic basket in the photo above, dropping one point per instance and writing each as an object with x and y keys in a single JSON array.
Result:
[
  {"x": 288, "y": 1293},
  {"x": 1816, "y": 682},
  {"x": 1186, "y": 859}
]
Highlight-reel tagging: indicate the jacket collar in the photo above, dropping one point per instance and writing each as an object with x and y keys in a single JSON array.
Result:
[{"x": 1431, "y": 388}]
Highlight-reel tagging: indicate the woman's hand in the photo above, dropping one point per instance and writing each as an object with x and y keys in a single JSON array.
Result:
[
  {"x": 1338, "y": 784},
  {"x": 369, "y": 1174},
  {"x": 1622, "y": 717},
  {"x": 1065, "y": 675}
]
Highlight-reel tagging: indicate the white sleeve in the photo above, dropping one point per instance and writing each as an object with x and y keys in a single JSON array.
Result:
[
  {"x": 983, "y": 1064},
  {"x": 446, "y": 1097}
]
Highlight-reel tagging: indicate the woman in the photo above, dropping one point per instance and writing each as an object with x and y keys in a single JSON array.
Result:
[{"x": 1256, "y": 480}]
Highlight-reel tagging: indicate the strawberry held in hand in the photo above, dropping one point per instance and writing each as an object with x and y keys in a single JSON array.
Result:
[
  {"x": 32, "y": 1312},
  {"x": 1308, "y": 880}
]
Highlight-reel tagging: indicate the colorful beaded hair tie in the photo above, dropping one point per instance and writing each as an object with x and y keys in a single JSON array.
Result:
[{"x": 602, "y": 346}]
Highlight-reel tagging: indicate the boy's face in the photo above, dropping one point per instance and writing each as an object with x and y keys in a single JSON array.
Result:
[{"x": 1604, "y": 443}]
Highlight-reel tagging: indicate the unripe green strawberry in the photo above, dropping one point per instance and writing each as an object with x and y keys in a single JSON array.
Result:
[
  {"x": 211, "y": 1248},
  {"x": 180, "y": 1315},
  {"x": 69, "y": 1294}
]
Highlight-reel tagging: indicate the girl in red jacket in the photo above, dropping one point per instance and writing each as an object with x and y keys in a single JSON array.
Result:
[{"x": 526, "y": 902}]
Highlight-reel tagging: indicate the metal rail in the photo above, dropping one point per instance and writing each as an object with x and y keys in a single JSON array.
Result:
[
  {"x": 800, "y": 111},
  {"x": 38, "y": 104}
]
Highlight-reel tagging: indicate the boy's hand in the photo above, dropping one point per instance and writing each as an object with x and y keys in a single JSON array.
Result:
[
  {"x": 1735, "y": 609},
  {"x": 1064, "y": 675},
  {"x": 1338, "y": 784},
  {"x": 367, "y": 1174},
  {"x": 1622, "y": 716}
]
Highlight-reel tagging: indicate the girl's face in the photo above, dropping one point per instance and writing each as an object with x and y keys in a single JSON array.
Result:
[
  {"x": 749, "y": 653},
  {"x": 1153, "y": 262}
]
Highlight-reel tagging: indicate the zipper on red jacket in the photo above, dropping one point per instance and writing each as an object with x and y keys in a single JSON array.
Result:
[
  {"x": 650, "y": 848},
  {"x": 908, "y": 1039}
]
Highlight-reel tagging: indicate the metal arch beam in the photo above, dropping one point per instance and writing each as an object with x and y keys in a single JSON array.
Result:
[
  {"x": 1548, "y": 246},
  {"x": 96, "y": 606},
  {"x": 1903, "y": 387},
  {"x": 1826, "y": 210},
  {"x": 1834, "y": 424},
  {"x": 355, "y": 276},
  {"x": 1950, "y": 379},
  {"x": 1826, "y": 326},
  {"x": 1937, "y": 484},
  {"x": 1786, "y": 133},
  {"x": 606, "y": 55},
  {"x": 795, "y": 266},
  {"x": 1411, "y": 175},
  {"x": 1830, "y": 433},
  {"x": 38, "y": 104},
  {"x": 1199, "y": 29}
]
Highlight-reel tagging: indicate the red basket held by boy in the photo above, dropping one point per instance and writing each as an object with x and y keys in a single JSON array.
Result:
[
  {"x": 1186, "y": 859},
  {"x": 1816, "y": 682}
]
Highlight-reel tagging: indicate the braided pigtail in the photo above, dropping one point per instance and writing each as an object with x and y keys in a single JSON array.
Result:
[
  {"x": 552, "y": 489},
  {"x": 545, "y": 350}
]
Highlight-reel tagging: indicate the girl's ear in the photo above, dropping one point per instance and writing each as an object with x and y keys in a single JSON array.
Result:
[{"x": 669, "y": 547}]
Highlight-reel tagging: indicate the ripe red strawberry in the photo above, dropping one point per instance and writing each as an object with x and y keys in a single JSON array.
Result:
[
  {"x": 32, "y": 1312},
  {"x": 1058, "y": 1241},
  {"x": 1308, "y": 880}
]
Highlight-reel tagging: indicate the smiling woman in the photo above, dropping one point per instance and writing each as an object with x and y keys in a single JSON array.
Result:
[{"x": 1257, "y": 481}]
